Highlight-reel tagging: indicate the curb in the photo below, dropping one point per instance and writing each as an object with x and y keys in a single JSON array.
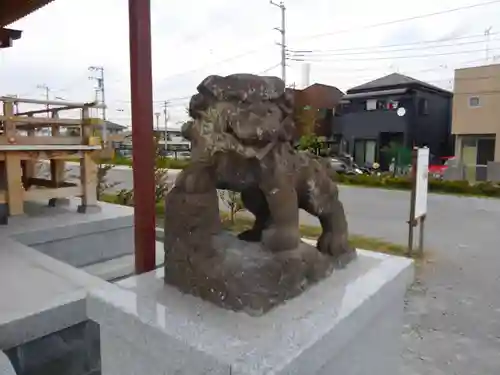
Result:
[{"x": 121, "y": 167}]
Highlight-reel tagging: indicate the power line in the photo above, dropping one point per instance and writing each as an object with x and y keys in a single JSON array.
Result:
[
  {"x": 244, "y": 54},
  {"x": 178, "y": 101},
  {"x": 319, "y": 54},
  {"x": 401, "y": 20},
  {"x": 231, "y": 58},
  {"x": 395, "y": 57},
  {"x": 270, "y": 68},
  {"x": 395, "y": 45},
  {"x": 378, "y": 68},
  {"x": 386, "y": 51}
]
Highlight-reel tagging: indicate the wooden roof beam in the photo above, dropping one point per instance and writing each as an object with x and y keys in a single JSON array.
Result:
[
  {"x": 13, "y": 10},
  {"x": 7, "y": 37}
]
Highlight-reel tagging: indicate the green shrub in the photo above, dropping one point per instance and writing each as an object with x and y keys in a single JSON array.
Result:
[
  {"x": 120, "y": 160},
  {"x": 454, "y": 187},
  {"x": 489, "y": 189},
  {"x": 162, "y": 162},
  {"x": 170, "y": 163}
]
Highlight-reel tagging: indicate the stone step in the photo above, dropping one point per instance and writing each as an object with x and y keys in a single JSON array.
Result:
[
  {"x": 5, "y": 365},
  {"x": 118, "y": 268}
]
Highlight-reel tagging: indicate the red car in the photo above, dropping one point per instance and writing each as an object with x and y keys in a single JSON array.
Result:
[{"x": 439, "y": 165}]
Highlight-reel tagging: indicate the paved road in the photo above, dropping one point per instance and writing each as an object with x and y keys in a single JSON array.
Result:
[{"x": 453, "y": 310}]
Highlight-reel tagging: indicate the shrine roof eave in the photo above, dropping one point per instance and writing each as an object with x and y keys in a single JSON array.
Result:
[{"x": 13, "y": 10}]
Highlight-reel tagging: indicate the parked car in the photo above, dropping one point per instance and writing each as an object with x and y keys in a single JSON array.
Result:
[
  {"x": 438, "y": 166},
  {"x": 342, "y": 166}
]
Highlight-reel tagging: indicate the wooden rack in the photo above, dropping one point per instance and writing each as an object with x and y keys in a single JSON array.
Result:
[{"x": 22, "y": 146}]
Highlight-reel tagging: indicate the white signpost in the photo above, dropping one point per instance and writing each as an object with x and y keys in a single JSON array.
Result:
[{"x": 420, "y": 187}]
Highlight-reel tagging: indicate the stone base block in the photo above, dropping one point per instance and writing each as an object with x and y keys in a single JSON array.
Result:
[
  {"x": 349, "y": 323},
  {"x": 88, "y": 209},
  {"x": 5, "y": 365},
  {"x": 244, "y": 276},
  {"x": 4, "y": 214},
  {"x": 59, "y": 202},
  {"x": 77, "y": 239}
]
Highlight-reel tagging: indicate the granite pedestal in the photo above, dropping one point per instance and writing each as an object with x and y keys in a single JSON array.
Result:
[
  {"x": 349, "y": 324},
  {"x": 76, "y": 239},
  {"x": 44, "y": 328}
]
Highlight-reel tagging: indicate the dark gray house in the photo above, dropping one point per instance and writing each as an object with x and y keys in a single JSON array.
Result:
[{"x": 393, "y": 109}]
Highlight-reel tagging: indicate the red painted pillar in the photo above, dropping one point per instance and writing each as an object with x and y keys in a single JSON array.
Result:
[{"x": 141, "y": 86}]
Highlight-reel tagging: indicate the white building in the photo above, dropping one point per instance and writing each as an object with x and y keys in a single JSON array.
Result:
[{"x": 175, "y": 145}]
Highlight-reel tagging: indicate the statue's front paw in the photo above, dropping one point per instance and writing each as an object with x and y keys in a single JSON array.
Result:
[
  {"x": 250, "y": 235},
  {"x": 337, "y": 246}
]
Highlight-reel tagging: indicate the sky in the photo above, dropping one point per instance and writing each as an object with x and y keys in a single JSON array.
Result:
[{"x": 347, "y": 43}]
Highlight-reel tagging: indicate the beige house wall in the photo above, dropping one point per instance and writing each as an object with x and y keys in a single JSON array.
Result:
[{"x": 482, "y": 82}]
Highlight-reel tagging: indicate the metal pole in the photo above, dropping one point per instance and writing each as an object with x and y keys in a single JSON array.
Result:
[
  {"x": 47, "y": 96},
  {"x": 142, "y": 134},
  {"x": 101, "y": 89},
  {"x": 411, "y": 221},
  {"x": 282, "y": 30},
  {"x": 165, "y": 118},
  {"x": 487, "y": 33},
  {"x": 103, "y": 93},
  {"x": 421, "y": 236},
  {"x": 283, "y": 42},
  {"x": 165, "y": 113},
  {"x": 157, "y": 114}
]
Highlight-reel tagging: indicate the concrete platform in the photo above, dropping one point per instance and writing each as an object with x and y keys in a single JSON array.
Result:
[
  {"x": 44, "y": 326},
  {"x": 38, "y": 294},
  {"x": 74, "y": 238},
  {"x": 348, "y": 324}
]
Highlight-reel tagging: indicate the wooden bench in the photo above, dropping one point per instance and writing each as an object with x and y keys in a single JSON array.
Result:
[{"x": 21, "y": 148}]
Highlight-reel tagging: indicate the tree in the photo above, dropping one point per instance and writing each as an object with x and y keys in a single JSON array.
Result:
[
  {"x": 162, "y": 186},
  {"x": 103, "y": 167},
  {"x": 310, "y": 142},
  {"x": 305, "y": 120},
  {"x": 401, "y": 156},
  {"x": 233, "y": 201}
]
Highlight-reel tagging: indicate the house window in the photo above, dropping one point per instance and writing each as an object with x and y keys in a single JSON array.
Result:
[
  {"x": 485, "y": 150},
  {"x": 423, "y": 107},
  {"x": 392, "y": 104},
  {"x": 381, "y": 104},
  {"x": 371, "y": 104},
  {"x": 365, "y": 151},
  {"x": 474, "y": 101}
]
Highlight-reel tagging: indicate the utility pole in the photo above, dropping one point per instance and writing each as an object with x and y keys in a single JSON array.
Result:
[
  {"x": 100, "y": 90},
  {"x": 47, "y": 95},
  {"x": 282, "y": 30},
  {"x": 16, "y": 104},
  {"x": 487, "y": 33},
  {"x": 165, "y": 114},
  {"x": 165, "y": 121},
  {"x": 157, "y": 115}
]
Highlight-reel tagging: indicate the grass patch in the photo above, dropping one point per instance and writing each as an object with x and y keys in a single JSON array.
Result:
[
  {"x": 313, "y": 232},
  {"x": 308, "y": 231}
]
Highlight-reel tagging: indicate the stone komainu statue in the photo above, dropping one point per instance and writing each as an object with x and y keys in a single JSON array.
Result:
[{"x": 241, "y": 136}]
